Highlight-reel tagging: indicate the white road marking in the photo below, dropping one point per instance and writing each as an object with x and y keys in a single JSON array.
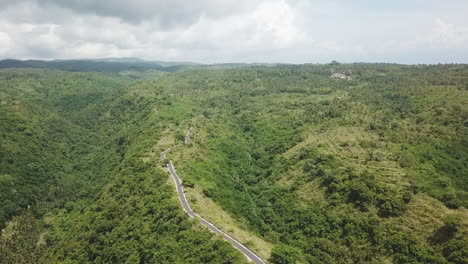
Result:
[{"x": 192, "y": 214}]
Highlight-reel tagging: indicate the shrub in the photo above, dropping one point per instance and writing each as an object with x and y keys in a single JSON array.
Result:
[
  {"x": 456, "y": 251},
  {"x": 451, "y": 225},
  {"x": 284, "y": 254}
]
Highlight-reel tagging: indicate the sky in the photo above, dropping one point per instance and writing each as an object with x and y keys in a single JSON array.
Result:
[{"x": 221, "y": 31}]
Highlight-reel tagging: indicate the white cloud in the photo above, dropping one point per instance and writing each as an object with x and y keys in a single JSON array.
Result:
[
  {"x": 167, "y": 13},
  {"x": 5, "y": 43},
  {"x": 269, "y": 25},
  {"x": 449, "y": 35},
  {"x": 278, "y": 21},
  {"x": 226, "y": 30}
]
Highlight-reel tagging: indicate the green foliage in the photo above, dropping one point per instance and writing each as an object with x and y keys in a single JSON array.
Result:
[
  {"x": 51, "y": 147},
  {"x": 452, "y": 224},
  {"x": 21, "y": 245},
  {"x": 254, "y": 117},
  {"x": 269, "y": 149},
  {"x": 180, "y": 136},
  {"x": 283, "y": 254},
  {"x": 136, "y": 220},
  {"x": 456, "y": 250},
  {"x": 69, "y": 149},
  {"x": 405, "y": 249}
]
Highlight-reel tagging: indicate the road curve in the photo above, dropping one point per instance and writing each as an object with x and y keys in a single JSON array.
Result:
[
  {"x": 187, "y": 137},
  {"x": 183, "y": 200},
  {"x": 163, "y": 154}
]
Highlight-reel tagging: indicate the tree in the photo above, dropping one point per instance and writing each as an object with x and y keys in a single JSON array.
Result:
[
  {"x": 284, "y": 254},
  {"x": 452, "y": 223},
  {"x": 23, "y": 244}
]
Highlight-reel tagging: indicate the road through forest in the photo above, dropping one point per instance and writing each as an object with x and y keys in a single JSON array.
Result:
[{"x": 183, "y": 200}]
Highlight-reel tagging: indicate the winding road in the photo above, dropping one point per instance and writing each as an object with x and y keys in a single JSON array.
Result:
[
  {"x": 187, "y": 137},
  {"x": 183, "y": 200},
  {"x": 163, "y": 154}
]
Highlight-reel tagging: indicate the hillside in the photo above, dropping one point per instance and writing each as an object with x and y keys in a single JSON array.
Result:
[
  {"x": 73, "y": 188},
  {"x": 99, "y": 65},
  {"x": 298, "y": 164}
]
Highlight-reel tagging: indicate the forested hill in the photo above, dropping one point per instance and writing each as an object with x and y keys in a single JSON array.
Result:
[
  {"x": 338, "y": 163},
  {"x": 73, "y": 186},
  {"x": 102, "y": 65}
]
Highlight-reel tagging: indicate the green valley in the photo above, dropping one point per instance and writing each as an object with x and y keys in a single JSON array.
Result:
[{"x": 312, "y": 163}]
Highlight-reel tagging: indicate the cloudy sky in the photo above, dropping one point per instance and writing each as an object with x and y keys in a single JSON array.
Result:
[{"x": 211, "y": 31}]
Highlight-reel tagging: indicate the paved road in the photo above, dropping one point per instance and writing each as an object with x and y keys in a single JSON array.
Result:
[
  {"x": 183, "y": 200},
  {"x": 187, "y": 137},
  {"x": 163, "y": 154}
]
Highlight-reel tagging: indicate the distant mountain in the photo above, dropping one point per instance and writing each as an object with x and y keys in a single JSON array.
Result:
[
  {"x": 137, "y": 60},
  {"x": 121, "y": 60},
  {"x": 103, "y": 65}
]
